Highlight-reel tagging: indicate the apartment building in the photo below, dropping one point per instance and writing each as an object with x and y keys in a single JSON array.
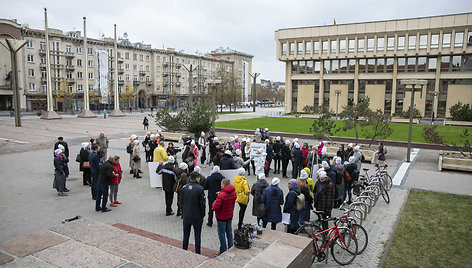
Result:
[
  {"x": 159, "y": 77},
  {"x": 343, "y": 64}
]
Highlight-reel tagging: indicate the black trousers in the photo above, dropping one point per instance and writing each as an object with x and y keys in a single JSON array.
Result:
[
  {"x": 273, "y": 225},
  {"x": 86, "y": 176},
  {"x": 277, "y": 162},
  {"x": 242, "y": 211},
  {"x": 296, "y": 169},
  {"x": 203, "y": 156},
  {"x": 102, "y": 197},
  {"x": 169, "y": 199},
  {"x": 210, "y": 211},
  {"x": 188, "y": 222},
  {"x": 284, "y": 167}
]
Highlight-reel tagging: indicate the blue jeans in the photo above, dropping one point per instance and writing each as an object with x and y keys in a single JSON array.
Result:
[
  {"x": 102, "y": 196},
  {"x": 347, "y": 190},
  {"x": 225, "y": 231},
  {"x": 197, "y": 229},
  {"x": 305, "y": 213}
]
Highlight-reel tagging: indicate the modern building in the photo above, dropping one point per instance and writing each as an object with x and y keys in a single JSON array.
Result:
[
  {"x": 158, "y": 77},
  {"x": 342, "y": 64}
]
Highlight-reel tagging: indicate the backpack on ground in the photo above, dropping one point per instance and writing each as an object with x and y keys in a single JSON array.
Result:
[
  {"x": 129, "y": 149},
  {"x": 300, "y": 202},
  {"x": 241, "y": 236}
]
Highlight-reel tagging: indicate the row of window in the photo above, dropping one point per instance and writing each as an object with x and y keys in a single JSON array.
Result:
[
  {"x": 376, "y": 44},
  {"x": 456, "y": 63}
]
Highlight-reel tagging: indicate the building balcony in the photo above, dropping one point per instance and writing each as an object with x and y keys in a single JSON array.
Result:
[
  {"x": 121, "y": 82},
  {"x": 120, "y": 59},
  {"x": 165, "y": 74},
  {"x": 165, "y": 64},
  {"x": 136, "y": 82},
  {"x": 149, "y": 83},
  {"x": 70, "y": 67},
  {"x": 178, "y": 84},
  {"x": 42, "y": 65},
  {"x": 56, "y": 52},
  {"x": 142, "y": 72},
  {"x": 121, "y": 70},
  {"x": 42, "y": 52},
  {"x": 58, "y": 66},
  {"x": 69, "y": 54},
  {"x": 70, "y": 80},
  {"x": 178, "y": 74},
  {"x": 44, "y": 79}
]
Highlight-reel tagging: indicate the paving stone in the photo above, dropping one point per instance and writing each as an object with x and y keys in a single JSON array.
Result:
[
  {"x": 32, "y": 243},
  {"x": 278, "y": 254},
  {"x": 151, "y": 253},
  {"x": 4, "y": 258},
  {"x": 89, "y": 232},
  {"x": 215, "y": 263},
  {"x": 28, "y": 261},
  {"x": 77, "y": 254},
  {"x": 131, "y": 265}
]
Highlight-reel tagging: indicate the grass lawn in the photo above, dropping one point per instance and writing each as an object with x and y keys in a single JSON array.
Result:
[
  {"x": 302, "y": 126},
  {"x": 434, "y": 231}
]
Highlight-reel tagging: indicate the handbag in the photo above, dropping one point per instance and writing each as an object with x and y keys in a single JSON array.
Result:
[
  {"x": 86, "y": 164},
  {"x": 77, "y": 158},
  {"x": 262, "y": 210},
  {"x": 136, "y": 158},
  {"x": 347, "y": 177}
]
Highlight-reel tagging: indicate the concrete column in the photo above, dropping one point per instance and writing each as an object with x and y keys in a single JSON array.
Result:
[
  {"x": 288, "y": 88},
  {"x": 86, "y": 113},
  {"x": 394, "y": 86},
  {"x": 321, "y": 92},
  {"x": 436, "y": 85},
  {"x": 116, "y": 111},
  {"x": 356, "y": 81}
]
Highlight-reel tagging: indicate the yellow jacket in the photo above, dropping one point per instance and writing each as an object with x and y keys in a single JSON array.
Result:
[
  {"x": 309, "y": 182},
  {"x": 160, "y": 154},
  {"x": 242, "y": 190}
]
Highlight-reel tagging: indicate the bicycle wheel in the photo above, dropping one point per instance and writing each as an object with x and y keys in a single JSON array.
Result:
[
  {"x": 361, "y": 235},
  {"x": 344, "y": 248},
  {"x": 308, "y": 230},
  {"x": 385, "y": 195},
  {"x": 387, "y": 181}
]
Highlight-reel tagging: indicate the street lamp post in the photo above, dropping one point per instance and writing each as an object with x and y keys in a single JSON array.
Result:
[
  {"x": 254, "y": 76},
  {"x": 413, "y": 86},
  {"x": 190, "y": 68},
  {"x": 434, "y": 94},
  {"x": 337, "y": 92},
  {"x": 213, "y": 82}
]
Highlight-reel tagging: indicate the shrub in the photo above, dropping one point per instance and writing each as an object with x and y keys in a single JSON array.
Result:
[{"x": 461, "y": 112}]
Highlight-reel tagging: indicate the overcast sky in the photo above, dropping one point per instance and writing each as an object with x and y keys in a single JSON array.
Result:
[{"x": 203, "y": 25}]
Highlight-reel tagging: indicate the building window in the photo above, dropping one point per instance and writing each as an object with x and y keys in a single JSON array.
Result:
[
  {"x": 390, "y": 43},
  {"x": 317, "y": 67},
  {"x": 90, "y": 75},
  {"x": 362, "y": 65},
  {"x": 334, "y": 46},
  {"x": 423, "y": 41},
  {"x": 342, "y": 46},
  {"x": 135, "y": 78},
  {"x": 343, "y": 66},
  {"x": 316, "y": 47},
  {"x": 135, "y": 56},
  {"x": 327, "y": 66},
  {"x": 401, "y": 65},
  {"x": 45, "y": 88},
  {"x": 432, "y": 63},
  {"x": 80, "y": 87},
  {"x": 31, "y": 72},
  {"x": 389, "y": 65},
  {"x": 158, "y": 58},
  {"x": 68, "y": 49},
  {"x": 79, "y": 50},
  {"x": 120, "y": 77},
  {"x": 90, "y": 63},
  {"x": 68, "y": 62},
  {"x": 335, "y": 66},
  {"x": 43, "y": 60},
  {"x": 141, "y": 57},
  {"x": 30, "y": 58},
  {"x": 446, "y": 40},
  {"x": 141, "y": 79},
  {"x": 360, "y": 45},
  {"x": 141, "y": 68},
  {"x": 421, "y": 64},
  {"x": 370, "y": 44},
  {"x": 29, "y": 43},
  {"x": 380, "y": 67},
  {"x": 371, "y": 65},
  {"x": 380, "y": 44},
  {"x": 469, "y": 38},
  {"x": 445, "y": 60},
  {"x": 412, "y": 42},
  {"x": 299, "y": 48},
  {"x": 456, "y": 63},
  {"x": 352, "y": 45},
  {"x": 127, "y": 77},
  {"x": 411, "y": 64},
  {"x": 459, "y": 39},
  {"x": 90, "y": 51},
  {"x": 309, "y": 67},
  {"x": 158, "y": 68},
  {"x": 401, "y": 43},
  {"x": 352, "y": 66},
  {"x": 127, "y": 66},
  {"x": 308, "y": 48},
  {"x": 147, "y": 58},
  {"x": 434, "y": 41},
  {"x": 324, "y": 47},
  {"x": 147, "y": 68},
  {"x": 135, "y": 67},
  {"x": 292, "y": 48},
  {"x": 127, "y": 55},
  {"x": 158, "y": 78},
  {"x": 79, "y": 62},
  {"x": 164, "y": 59},
  {"x": 32, "y": 87},
  {"x": 79, "y": 75},
  {"x": 43, "y": 74}
]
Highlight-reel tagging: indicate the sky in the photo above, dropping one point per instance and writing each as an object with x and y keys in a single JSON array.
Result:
[{"x": 199, "y": 26}]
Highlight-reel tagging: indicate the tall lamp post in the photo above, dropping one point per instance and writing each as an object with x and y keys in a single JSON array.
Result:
[
  {"x": 337, "y": 92},
  {"x": 254, "y": 76},
  {"x": 214, "y": 83},
  {"x": 190, "y": 68},
  {"x": 412, "y": 86},
  {"x": 434, "y": 94}
]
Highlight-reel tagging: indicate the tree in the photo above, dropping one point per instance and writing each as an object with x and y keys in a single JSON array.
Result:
[
  {"x": 169, "y": 122},
  {"x": 352, "y": 115},
  {"x": 198, "y": 119},
  {"x": 461, "y": 112},
  {"x": 324, "y": 127},
  {"x": 64, "y": 95},
  {"x": 379, "y": 126},
  {"x": 432, "y": 135},
  {"x": 127, "y": 94}
]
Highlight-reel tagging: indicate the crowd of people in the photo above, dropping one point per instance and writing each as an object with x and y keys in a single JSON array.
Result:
[{"x": 318, "y": 180}]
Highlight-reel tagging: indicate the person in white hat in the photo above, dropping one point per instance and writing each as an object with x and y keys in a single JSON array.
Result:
[
  {"x": 237, "y": 159},
  {"x": 357, "y": 158},
  {"x": 129, "y": 150},
  {"x": 324, "y": 196},
  {"x": 277, "y": 147},
  {"x": 59, "y": 173},
  {"x": 137, "y": 160},
  {"x": 273, "y": 198},
  {"x": 259, "y": 161},
  {"x": 84, "y": 164},
  {"x": 257, "y": 135},
  {"x": 298, "y": 158},
  {"x": 202, "y": 144},
  {"x": 286, "y": 156},
  {"x": 242, "y": 192}
]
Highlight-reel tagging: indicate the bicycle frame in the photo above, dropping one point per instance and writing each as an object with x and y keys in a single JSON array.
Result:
[{"x": 333, "y": 235}]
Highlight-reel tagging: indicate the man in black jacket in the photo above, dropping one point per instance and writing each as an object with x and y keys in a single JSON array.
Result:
[
  {"x": 227, "y": 161},
  {"x": 298, "y": 158},
  {"x": 61, "y": 141},
  {"x": 169, "y": 177},
  {"x": 213, "y": 185},
  {"x": 193, "y": 200},
  {"x": 286, "y": 156},
  {"x": 277, "y": 154},
  {"x": 94, "y": 161},
  {"x": 106, "y": 174}
]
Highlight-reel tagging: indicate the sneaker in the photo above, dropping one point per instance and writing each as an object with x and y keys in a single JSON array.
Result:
[
  {"x": 131, "y": 172},
  {"x": 106, "y": 210},
  {"x": 66, "y": 190},
  {"x": 138, "y": 177},
  {"x": 63, "y": 194},
  {"x": 117, "y": 202},
  {"x": 113, "y": 205}
]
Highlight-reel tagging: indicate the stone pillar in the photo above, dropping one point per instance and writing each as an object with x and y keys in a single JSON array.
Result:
[
  {"x": 116, "y": 111},
  {"x": 394, "y": 87},
  {"x": 86, "y": 113}
]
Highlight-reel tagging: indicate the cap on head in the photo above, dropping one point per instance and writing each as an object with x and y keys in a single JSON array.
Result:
[
  {"x": 216, "y": 169},
  {"x": 192, "y": 142},
  {"x": 238, "y": 152},
  {"x": 338, "y": 161},
  {"x": 295, "y": 140},
  {"x": 303, "y": 175},
  {"x": 197, "y": 169},
  {"x": 266, "y": 129},
  {"x": 266, "y": 141},
  {"x": 293, "y": 182},
  {"x": 357, "y": 148},
  {"x": 153, "y": 136},
  {"x": 215, "y": 138},
  {"x": 228, "y": 152},
  {"x": 324, "y": 164},
  {"x": 277, "y": 138},
  {"x": 350, "y": 145},
  {"x": 275, "y": 181},
  {"x": 241, "y": 171},
  {"x": 171, "y": 159},
  {"x": 307, "y": 171},
  {"x": 202, "y": 134},
  {"x": 133, "y": 137},
  {"x": 322, "y": 174},
  {"x": 183, "y": 166},
  {"x": 297, "y": 145},
  {"x": 287, "y": 142},
  {"x": 260, "y": 176}
]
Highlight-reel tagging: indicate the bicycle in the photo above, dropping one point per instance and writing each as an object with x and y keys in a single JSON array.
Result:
[{"x": 365, "y": 181}]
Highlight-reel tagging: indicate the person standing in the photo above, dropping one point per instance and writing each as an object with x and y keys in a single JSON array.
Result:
[
  {"x": 286, "y": 156},
  {"x": 302, "y": 184},
  {"x": 102, "y": 141},
  {"x": 273, "y": 198},
  {"x": 213, "y": 186},
  {"x": 357, "y": 159},
  {"x": 202, "y": 142},
  {"x": 247, "y": 154},
  {"x": 242, "y": 192},
  {"x": 182, "y": 179},
  {"x": 115, "y": 181},
  {"x": 195, "y": 152},
  {"x": 160, "y": 154},
  {"x": 257, "y": 190},
  {"x": 270, "y": 154},
  {"x": 193, "y": 200},
  {"x": 59, "y": 174},
  {"x": 137, "y": 160},
  {"x": 94, "y": 161},
  {"x": 84, "y": 164},
  {"x": 290, "y": 205},
  {"x": 341, "y": 153},
  {"x": 224, "y": 209},
  {"x": 298, "y": 158},
  {"x": 129, "y": 150},
  {"x": 60, "y": 141},
  {"x": 305, "y": 150},
  {"x": 146, "y": 123},
  {"x": 277, "y": 154},
  {"x": 381, "y": 153},
  {"x": 324, "y": 196},
  {"x": 104, "y": 179},
  {"x": 169, "y": 177}
]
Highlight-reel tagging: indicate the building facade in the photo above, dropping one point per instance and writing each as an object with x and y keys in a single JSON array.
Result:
[
  {"x": 157, "y": 77},
  {"x": 338, "y": 65}
]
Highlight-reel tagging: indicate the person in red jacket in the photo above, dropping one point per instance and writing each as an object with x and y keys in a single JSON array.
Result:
[
  {"x": 224, "y": 208},
  {"x": 115, "y": 181}
]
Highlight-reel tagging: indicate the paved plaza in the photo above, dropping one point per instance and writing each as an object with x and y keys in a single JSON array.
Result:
[{"x": 29, "y": 204}]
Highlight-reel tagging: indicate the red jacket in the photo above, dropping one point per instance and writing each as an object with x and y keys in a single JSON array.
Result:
[
  {"x": 305, "y": 153},
  {"x": 224, "y": 203},
  {"x": 116, "y": 179}
]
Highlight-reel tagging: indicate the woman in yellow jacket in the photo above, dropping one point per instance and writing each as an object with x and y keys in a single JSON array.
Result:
[
  {"x": 309, "y": 181},
  {"x": 242, "y": 194}
]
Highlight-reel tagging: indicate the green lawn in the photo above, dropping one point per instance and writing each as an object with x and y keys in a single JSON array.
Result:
[
  {"x": 302, "y": 126},
  {"x": 434, "y": 231}
]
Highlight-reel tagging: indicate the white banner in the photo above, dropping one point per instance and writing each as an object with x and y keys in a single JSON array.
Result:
[
  {"x": 101, "y": 68},
  {"x": 229, "y": 174},
  {"x": 154, "y": 178},
  {"x": 255, "y": 147}
]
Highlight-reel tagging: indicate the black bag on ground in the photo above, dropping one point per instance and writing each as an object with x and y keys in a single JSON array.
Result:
[{"x": 241, "y": 237}]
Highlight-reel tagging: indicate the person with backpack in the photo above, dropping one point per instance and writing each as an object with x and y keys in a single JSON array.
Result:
[
  {"x": 129, "y": 150},
  {"x": 339, "y": 167},
  {"x": 146, "y": 123},
  {"x": 257, "y": 190},
  {"x": 349, "y": 177},
  {"x": 324, "y": 196},
  {"x": 291, "y": 205},
  {"x": 273, "y": 198},
  {"x": 242, "y": 193},
  {"x": 302, "y": 184},
  {"x": 381, "y": 151}
]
